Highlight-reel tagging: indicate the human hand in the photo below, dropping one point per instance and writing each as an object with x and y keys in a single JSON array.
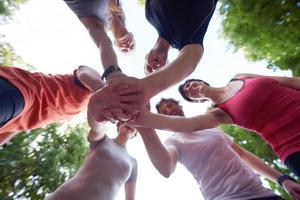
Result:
[
  {"x": 127, "y": 82},
  {"x": 111, "y": 103},
  {"x": 155, "y": 60},
  {"x": 126, "y": 43},
  {"x": 141, "y": 119},
  {"x": 292, "y": 188}
]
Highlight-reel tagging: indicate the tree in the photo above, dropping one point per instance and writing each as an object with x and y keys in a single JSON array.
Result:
[
  {"x": 141, "y": 2},
  {"x": 36, "y": 162},
  {"x": 7, "y": 9},
  {"x": 8, "y": 57},
  {"x": 253, "y": 143},
  {"x": 264, "y": 30}
]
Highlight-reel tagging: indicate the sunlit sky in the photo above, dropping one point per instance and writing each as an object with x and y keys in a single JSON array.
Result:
[{"x": 49, "y": 36}]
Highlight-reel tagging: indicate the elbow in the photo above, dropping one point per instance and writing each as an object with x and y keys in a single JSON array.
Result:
[
  {"x": 193, "y": 54},
  {"x": 166, "y": 169},
  {"x": 166, "y": 172}
]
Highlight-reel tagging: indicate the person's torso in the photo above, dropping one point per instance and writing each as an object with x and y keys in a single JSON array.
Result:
[
  {"x": 269, "y": 108},
  {"x": 220, "y": 173},
  {"x": 105, "y": 169},
  {"x": 48, "y": 98}
]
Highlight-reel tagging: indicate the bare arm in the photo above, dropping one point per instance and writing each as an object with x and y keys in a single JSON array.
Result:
[
  {"x": 96, "y": 29},
  {"x": 130, "y": 185},
  {"x": 292, "y": 82},
  {"x": 130, "y": 190},
  {"x": 262, "y": 168},
  {"x": 180, "y": 124},
  {"x": 257, "y": 164},
  {"x": 175, "y": 71},
  {"x": 97, "y": 128},
  {"x": 164, "y": 159}
]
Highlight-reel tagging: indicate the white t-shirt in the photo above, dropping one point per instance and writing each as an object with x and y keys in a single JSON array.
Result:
[{"x": 217, "y": 168}]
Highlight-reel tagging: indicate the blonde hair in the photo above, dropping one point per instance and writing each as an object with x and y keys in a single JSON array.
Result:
[{"x": 115, "y": 8}]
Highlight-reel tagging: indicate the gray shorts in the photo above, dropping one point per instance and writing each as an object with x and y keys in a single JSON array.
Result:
[{"x": 90, "y": 8}]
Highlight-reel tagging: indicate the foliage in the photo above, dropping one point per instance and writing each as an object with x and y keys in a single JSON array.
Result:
[
  {"x": 141, "y": 2},
  {"x": 264, "y": 30},
  {"x": 253, "y": 143},
  {"x": 8, "y": 7},
  {"x": 36, "y": 162}
]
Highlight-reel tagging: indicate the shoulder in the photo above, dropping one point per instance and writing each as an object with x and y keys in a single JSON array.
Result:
[{"x": 219, "y": 115}]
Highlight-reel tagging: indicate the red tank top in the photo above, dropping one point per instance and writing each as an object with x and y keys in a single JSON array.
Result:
[{"x": 271, "y": 109}]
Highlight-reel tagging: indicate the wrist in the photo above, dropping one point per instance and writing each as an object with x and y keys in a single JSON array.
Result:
[
  {"x": 111, "y": 71},
  {"x": 113, "y": 75},
  {"x": 281, "y": 179},
  {"x": 149, "y": 88}
]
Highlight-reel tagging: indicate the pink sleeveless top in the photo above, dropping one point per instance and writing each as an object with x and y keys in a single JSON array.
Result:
[{"x": 271, "y": 109}]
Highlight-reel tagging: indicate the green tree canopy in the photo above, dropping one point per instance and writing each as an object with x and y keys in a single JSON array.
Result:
[
  {"x": 36, "y": 162},
  {"x": 264, "y": 30},
  {"x": 7, "y": 9},
  {"x": 141, "y": 2}
]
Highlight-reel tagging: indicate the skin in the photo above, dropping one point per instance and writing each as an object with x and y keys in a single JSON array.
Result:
[
  {"x": 89, "y": 77},
  {"x": 118, "y": 109},
  {"x": 189, "y": 57},
  {"x": 212, "y": 118},
  {"x": 91, "y": 182},
  {"x": 164, "y": 158},
  {"x": 157, "y": 57},
  {"x": 97, "y": 30}
]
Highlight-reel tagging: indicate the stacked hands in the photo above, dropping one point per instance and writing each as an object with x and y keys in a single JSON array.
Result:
[{"x": 122, "y": 99}]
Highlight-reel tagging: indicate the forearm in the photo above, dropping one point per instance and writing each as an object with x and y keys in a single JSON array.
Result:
[
  {"x": 261, "y": 167},
  {"x": 157, "y": 153},
  {"x": 175, "y": 71},
  {"x": 180, "y": 124},
  {"x": 97, "y": 128},
  {"x": 107, "y": 54}
]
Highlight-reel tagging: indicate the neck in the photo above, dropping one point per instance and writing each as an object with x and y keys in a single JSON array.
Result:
[{"x": 215, "y": 94}]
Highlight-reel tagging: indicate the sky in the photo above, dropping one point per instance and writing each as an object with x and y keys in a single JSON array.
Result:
[{"x": 47, "y": 35}]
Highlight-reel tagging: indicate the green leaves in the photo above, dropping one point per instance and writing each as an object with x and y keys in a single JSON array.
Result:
[
  {"x": 7, "y": 9},
  {"x": 36, "y": 162},
  {"x": 264, "y": 30}
]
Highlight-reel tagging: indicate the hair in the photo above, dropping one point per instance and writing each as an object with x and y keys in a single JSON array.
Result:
[
  {"x": 164, "y": 100},
  {"x": 115, "y": 8},
  {"x": 183, "y": 94}
]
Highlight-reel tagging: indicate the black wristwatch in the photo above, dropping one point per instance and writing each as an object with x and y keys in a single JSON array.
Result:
[
  {"x": 284, "y": 177},
  {"x": 109, "y": 70}
]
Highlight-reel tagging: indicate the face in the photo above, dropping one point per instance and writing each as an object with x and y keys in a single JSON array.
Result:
[
  {"x": 155, "y": 60},
  {"x": 170, "y": 108},
  {"x": 123, "y": 129},
  {"x": 194, "y": 90}
]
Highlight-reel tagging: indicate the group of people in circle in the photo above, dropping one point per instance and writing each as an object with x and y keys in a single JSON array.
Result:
[{"x": 267, "y": 105}]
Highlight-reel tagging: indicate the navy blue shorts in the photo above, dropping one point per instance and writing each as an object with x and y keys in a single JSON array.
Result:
[
  {"x": 11, "y": 101},
  {"x": 293, "y": 163},
  {"x": 180, "y": 22},
  {"x": 90, "y": 8}
]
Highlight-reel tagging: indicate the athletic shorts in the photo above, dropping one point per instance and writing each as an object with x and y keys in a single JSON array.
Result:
[
  {"x": 90, "y": 8},
  {"x": 180, "y": 22},
  {"x": 11, "y": 101}
]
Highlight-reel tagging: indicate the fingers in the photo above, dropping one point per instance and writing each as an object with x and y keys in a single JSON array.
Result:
[
  {"x": 119, "y": 114},
  {"x": 126, "y": 90}
]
